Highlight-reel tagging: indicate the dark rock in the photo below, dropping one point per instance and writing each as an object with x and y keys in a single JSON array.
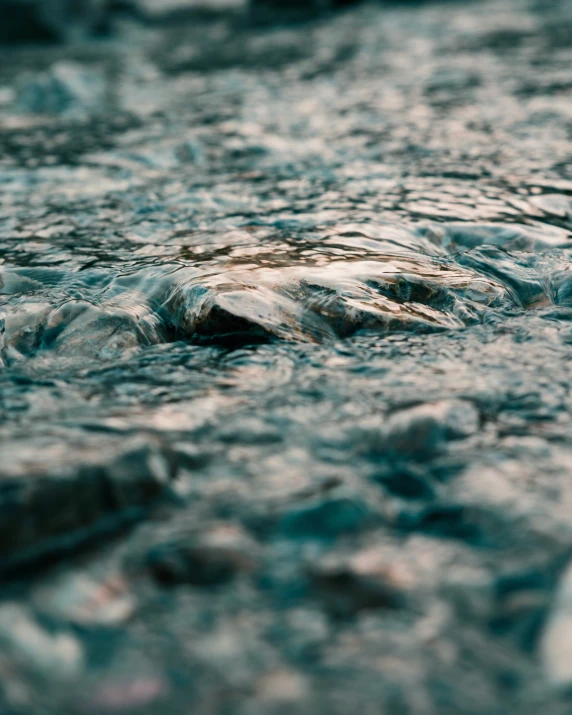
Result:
[
  {"x": 448, "y": 521},
  {"x": 346, "y": 589},
  {"x": 205, "y": 558},
  {"x": 60, "y": 508},
  {"x": 405, "y": 481}
]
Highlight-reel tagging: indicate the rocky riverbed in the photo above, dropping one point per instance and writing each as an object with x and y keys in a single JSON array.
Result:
[{"x": 285, "y": 408}]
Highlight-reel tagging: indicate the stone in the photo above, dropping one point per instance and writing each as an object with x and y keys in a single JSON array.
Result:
[
  {"x": 60, "y": 507},
  {"x": 448, "y": 521},
  {"x": 204, "y": 558},
  {"x": 349, "y": 586}
]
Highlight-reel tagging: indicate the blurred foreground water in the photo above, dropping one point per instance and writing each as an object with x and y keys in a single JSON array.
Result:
[{"x": 285, "y": 389}]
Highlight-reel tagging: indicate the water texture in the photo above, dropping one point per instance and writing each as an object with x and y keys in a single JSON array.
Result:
[{"x": 286, "y": 328}]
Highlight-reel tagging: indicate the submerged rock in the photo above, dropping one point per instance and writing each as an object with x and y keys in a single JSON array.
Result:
[
  {"x": 78, "y": 329},
  {"x": 47, "y": 509},
  {"x": 117, "y": 313},
  {"x": 347, "y": 588},
  {"x": 404, "y": 480},
  {"x": 337, "y": 300}
]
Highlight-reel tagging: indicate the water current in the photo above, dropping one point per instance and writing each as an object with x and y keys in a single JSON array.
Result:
[{"x": 285, "y": 401}]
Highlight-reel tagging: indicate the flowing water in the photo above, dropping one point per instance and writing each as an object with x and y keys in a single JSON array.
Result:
[{"x": 285, "y": 389}]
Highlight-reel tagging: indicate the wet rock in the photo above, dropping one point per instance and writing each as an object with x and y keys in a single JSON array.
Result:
[
  {"x": 60, "y": 507},
  {"x": 339, "y": 299},
  {"x": 421, "y": 432},
  {"x": 112, "y": 332},
  {"x": 204, "y": 558},
  {"x": 310, "y": 304},
  {"x": 66, "y": 88},
  {"x": 79, "y": 329},
  {"x": 325, "y": 518},
  {"x": 357, "y": 584}
]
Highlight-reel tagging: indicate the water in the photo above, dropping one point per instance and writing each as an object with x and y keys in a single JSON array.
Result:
[{"x": 285, "y": 395}]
